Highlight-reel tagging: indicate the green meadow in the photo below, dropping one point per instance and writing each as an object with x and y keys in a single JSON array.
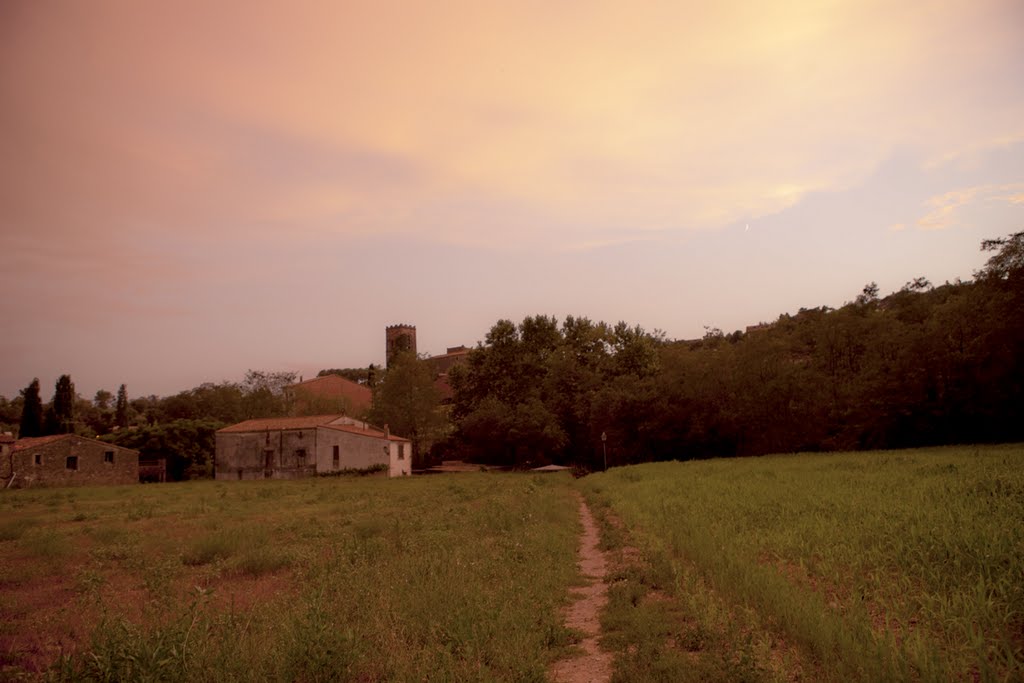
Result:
[
  {"x": 369, "y": 579},
  {"x": 874, "y": 566}
]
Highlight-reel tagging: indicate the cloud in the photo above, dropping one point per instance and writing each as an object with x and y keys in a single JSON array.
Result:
[
  {"x": 550, "y": 124},
  {"x": 946, "y": 210},
  {"x": 177, "y": 178}
]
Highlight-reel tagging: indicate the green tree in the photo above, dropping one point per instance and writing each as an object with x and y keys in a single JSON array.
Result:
[
  {"x": 10, "y": 413},
  {"x": 102, "y": 399},
  {"x": 32, "y": 411},
  {"x": 1008, "y": 259},
  {"x": 121, "y": 407},
  {"x": 264, "y": 394},
  {"x": 539, "y": 392},
  {"x": 60, "y": 417},
  {"x": 360, "y": 375},
  {"x": 188, "y": 446},
  {"x": 407, "y": 401}
]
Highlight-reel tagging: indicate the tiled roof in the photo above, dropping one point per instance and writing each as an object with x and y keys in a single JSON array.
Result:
[
  {"x": 311, "y": 422},
  {"x": 450, "y": 354},
  {"x": 334, "y": 387},
  {"x": 278, "y": 423},
  {"x": 375, "y": 433},
  {"x": 33, "y": 441}
]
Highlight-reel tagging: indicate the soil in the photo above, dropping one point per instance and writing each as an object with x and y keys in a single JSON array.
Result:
[{"x": 592, "y": 665}]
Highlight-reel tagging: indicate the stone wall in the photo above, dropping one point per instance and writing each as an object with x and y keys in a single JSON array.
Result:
[
  {"x": 273, "y": 454},
  {"x": 74, "y": 461},
  {"x": 297, "y": 453},
  {"x": 355, "y": 452}
]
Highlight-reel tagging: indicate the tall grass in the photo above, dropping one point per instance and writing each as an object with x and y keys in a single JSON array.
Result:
[
  {"x": 370, "y": 579},
  {"x": 881, "y": 566}
]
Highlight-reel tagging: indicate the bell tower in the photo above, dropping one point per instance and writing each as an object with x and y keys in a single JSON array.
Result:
[{"x": 399, "y": 338}]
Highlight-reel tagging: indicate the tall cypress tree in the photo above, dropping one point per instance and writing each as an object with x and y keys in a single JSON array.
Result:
[
  {"x": 121, "y": 408},
  {"x": 32, "y": 411},
  {"x": 59, "y": 419}
]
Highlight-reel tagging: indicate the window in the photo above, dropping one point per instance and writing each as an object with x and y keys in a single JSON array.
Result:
[
  {"x": 39, "y": 458},
  {"x": 108, "y": 457},
  {"x": 401, "y": 451},
  {"x": 337, "y": 457},
  {"x": 72, "y": 462}
]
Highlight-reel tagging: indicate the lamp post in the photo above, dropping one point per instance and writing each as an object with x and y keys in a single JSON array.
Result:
[{"x": 604, "y": 450}]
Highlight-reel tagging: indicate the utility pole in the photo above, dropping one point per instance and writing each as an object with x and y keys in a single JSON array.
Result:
[{"x": 604, "y": 450}]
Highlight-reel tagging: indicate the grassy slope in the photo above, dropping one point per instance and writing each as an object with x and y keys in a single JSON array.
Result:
[
  {"x": 862, "y": 566},
  {"x": 439, "y": 578}
]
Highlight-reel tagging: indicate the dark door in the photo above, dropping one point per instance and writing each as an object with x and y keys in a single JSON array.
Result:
[{"x": 268, "y": 465}]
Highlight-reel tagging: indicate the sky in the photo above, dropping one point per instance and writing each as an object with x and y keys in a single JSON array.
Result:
[{"x": 190, "y": 189}]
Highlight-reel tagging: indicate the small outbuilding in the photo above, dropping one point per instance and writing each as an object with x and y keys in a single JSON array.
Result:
[
  {"x": 297, "y": 447},
  {"x": 67, "y": 460}
]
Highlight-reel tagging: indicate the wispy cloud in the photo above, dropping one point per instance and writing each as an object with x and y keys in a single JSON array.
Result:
[
  {"x": 946, "y": 209},
  {"x": 346, "y": 119}
]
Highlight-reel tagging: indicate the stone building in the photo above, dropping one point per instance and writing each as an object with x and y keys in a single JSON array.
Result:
[
  {"x": 398, "y": 339},
  {"x": 329, "y": 394},
  {"x": 68, "y": 460},
  {"x": 297, "y": 447}
]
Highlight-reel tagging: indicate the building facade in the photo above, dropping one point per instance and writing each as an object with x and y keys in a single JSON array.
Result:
[
  {"x": 68, "y": 460},
  {"x": 298, "y": 447}
]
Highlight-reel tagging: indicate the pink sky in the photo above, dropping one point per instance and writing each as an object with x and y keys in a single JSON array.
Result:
[{"x": 189, "y": 189}]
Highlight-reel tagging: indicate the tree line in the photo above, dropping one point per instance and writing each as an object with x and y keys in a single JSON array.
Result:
[
  {"x": 922, "y": 366},
  {"x": 178, "y": 428}
]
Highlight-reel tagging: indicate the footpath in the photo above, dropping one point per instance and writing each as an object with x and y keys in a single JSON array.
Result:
[{"x": 592, "y": 665}]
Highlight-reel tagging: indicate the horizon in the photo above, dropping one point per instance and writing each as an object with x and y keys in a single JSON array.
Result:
[{"x": 192, "y": 191}]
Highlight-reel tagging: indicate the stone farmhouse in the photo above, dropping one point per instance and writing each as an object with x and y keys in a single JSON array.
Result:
[
  {"x": 66, "y": 460},
  {"x": 330, "y": 393},
  {"x": 297, "y": 447}
]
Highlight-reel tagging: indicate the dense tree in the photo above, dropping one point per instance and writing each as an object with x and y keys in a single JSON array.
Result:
[
  {"x": 407, "y": 401},
  {"x": 10, "y": 413},
  {"x": 924, "y": 365},
  {"x": 121, "y": 407},
  {"x": 32, "y": 411},
  {"x": 360, "y": 375},
  {"x": 61, "y": 415},
  {"x": 538, "y": 392},
  {"x": 1008, "y": 261},
  {"x": 188, "y": 446},
  {"x": 264, "y": 394},
  {"x": 102, "y": 399}
]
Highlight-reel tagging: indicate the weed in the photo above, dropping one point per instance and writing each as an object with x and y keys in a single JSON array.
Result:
[
  {"x": 13, "y": 529},
  {"x": 47, "y": 544},
  {"x": 210, "y": 548},
  {"x": 262, "y": 559}
]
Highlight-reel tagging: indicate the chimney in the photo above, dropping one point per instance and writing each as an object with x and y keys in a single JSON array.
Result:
[{"x": 387, "y": 432}]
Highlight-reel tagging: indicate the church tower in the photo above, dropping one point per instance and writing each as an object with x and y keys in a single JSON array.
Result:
[{"x": 399, "y": 338}]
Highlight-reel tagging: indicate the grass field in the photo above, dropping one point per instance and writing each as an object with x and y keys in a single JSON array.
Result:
[
  {"x": 870, "y": 566},
  {"x": 875, "y": 566},
  {"x": 432, "y": 578}
]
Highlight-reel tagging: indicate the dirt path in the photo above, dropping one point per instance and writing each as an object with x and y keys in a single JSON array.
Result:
[{"x": 593, "y": 665}]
